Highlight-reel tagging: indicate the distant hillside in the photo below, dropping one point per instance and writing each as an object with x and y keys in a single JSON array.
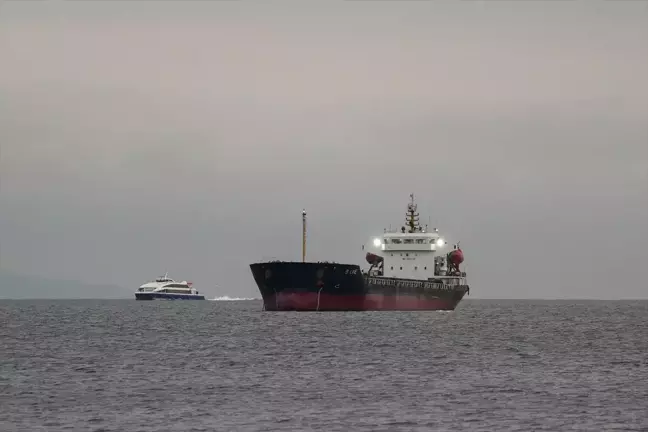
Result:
[{"x": 15, "y": 286}]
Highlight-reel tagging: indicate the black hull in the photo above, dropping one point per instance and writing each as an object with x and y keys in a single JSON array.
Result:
[{"x": 315, "y": 286}]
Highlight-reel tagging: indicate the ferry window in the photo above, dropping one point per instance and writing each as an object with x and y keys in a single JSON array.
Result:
[
  {"x": 420, "y": 241},
  {"x": 415, "y": 268},
  {"x": 408, "y": 241},
  {"x": 424, "y": 268},
  {"x": 401, "y": 268},
  {"x": 396, "y": 241},
  {"x": 406, "y": 254},
  {"x": 392, "y": 267}
]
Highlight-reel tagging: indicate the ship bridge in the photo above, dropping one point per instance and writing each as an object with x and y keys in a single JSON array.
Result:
[
  {"x": 419, "y": 241},
  {"x": 412, "y": 252}
]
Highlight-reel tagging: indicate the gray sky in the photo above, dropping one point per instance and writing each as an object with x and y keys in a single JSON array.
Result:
[{"x": 141, "y": 137}]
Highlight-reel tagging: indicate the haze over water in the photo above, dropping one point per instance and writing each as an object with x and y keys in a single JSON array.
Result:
[
  {"x": 144, "y": 137},
  {"x": 203, "y": 366}
]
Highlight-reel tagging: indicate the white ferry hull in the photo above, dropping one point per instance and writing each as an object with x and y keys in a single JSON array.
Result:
[{"x": 167, "y": 296}]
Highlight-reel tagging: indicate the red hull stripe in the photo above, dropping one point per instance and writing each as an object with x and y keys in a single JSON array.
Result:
[{"x": 310, "y": 301}]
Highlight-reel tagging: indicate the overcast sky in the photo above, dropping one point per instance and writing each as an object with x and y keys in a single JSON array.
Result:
[{"x": 144, "y": 137}]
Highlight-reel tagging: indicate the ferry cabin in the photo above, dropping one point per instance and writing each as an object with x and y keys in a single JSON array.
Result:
[{"x": 164, "y": 284}]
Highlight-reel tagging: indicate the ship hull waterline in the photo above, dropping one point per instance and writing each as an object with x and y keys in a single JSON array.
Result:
[
  {"x": 167, "y": 296},
  {"x": 296, "y": 286}
]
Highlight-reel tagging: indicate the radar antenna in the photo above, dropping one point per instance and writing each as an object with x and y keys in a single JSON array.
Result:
[{"x": 412, "y": 217}]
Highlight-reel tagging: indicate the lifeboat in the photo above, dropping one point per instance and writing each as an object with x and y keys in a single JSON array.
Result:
[{"x": 373, "y": 259}]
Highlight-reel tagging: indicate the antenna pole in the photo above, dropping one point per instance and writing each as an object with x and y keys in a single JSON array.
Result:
[
  {"x": 412, "y": 216},
  {"x": 303, "y": 235}
]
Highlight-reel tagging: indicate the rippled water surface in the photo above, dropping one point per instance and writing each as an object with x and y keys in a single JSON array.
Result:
[{"x": 203, "y": 366}]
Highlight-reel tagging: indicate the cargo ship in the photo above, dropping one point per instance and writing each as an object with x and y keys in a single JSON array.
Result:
[{"x": 409, "y": 269}]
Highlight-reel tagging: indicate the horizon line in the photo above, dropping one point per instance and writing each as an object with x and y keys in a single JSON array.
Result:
[{"x": 253, "y": 299}]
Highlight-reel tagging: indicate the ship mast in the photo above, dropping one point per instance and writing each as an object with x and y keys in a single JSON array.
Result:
[
  {"x": 303, "y": 235},
  {"x": 412, "y": 217}
]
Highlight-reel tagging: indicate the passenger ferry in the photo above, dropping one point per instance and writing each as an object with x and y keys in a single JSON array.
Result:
[{"x": 165, "y": 288}]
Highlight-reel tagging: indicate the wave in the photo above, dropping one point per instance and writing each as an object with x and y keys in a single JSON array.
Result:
[{"x": 228, "y": 298}]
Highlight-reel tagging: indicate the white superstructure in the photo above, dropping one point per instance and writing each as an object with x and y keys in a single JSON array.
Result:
[{"x": 413, "y": 252}]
